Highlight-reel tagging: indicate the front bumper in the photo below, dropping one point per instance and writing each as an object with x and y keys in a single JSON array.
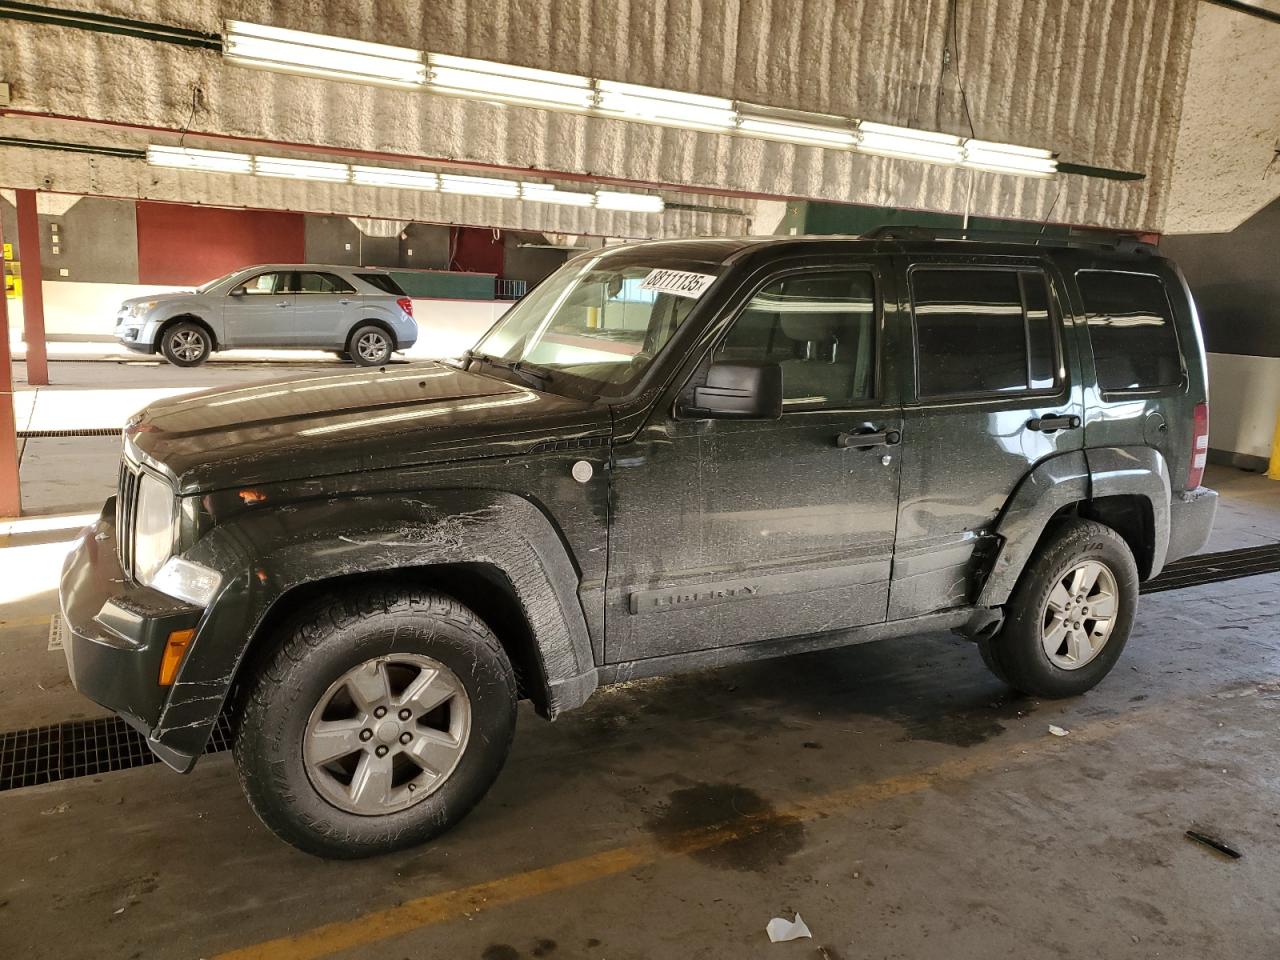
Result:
[
  {"x": 134, "y": 338},
  {"x": 1191, "y": 516},
  {"x": 118, "y": 631}
]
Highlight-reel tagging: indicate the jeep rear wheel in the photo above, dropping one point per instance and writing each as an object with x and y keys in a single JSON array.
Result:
[
  {"x": 1070, "y": 614},
  {"x": 380, "y": 721}
]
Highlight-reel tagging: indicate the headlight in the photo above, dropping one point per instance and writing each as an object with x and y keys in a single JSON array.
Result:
[
  {"x": 155, "y": 528},
  {"x": 140, "y": 308}
]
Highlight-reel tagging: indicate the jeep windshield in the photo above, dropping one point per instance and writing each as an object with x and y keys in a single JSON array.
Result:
[{"x": 593, "y": 327}]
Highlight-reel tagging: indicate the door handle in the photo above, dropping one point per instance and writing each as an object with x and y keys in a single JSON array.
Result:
[
  {"x": 863, "y": 441},
  {"x": 1052, "y": 422},
  {"x": 283, "y": 303},
  {"x": 344, "y": 302}
]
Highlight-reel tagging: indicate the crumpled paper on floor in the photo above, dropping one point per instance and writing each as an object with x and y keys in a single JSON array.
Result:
[{"x": 781, "y": 930}]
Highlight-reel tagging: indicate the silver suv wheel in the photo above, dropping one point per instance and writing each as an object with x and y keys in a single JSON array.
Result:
[
  {"x": 387, "y": 734},
  {"x": 1079, "y": 615},
  {"x": 372, "y": 347}
]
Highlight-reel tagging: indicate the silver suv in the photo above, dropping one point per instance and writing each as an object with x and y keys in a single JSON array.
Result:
[{"x": 360, "y": 313}]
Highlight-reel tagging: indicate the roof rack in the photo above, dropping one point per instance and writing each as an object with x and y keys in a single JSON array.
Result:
[{"x": 1120, "y": 244}]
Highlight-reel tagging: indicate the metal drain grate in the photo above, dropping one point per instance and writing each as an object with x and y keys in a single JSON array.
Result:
[
  {"x": 57, "y": 632},
  {"x": 81, "y": 748},
  {"x": 1216, "y": 567},
  {"x": 80, "y": 432}
]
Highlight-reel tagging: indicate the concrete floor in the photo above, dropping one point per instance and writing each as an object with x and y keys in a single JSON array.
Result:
[{"x": 895, "y": 794}]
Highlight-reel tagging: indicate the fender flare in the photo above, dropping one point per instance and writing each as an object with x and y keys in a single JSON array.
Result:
[
  {"x": 1074, "y": 477},
  {"x": 1136, "y": 471},
  {"x": 266, "y": 553}
]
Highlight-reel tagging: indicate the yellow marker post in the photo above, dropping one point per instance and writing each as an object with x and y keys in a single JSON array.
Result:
[{"x": 1274, "y": 471}]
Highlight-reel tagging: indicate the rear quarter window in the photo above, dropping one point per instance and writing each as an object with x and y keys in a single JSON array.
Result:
[
  {"x": 383, "y": 282},
  {"x": 1130, "y": 320}
]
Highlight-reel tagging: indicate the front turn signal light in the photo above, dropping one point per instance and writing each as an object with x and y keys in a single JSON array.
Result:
[{"x": 175, "y": 649}]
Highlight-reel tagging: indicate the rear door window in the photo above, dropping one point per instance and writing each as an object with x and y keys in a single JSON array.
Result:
[
  {"x": 323, "y": 283},
  {"x": 983, "y": 332},
  {"x": 383, "y": 282},
  {"x": 1135, "y": 346}
]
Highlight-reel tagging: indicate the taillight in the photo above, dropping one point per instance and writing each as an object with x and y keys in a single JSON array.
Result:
[
  {"x": 1199, "y": 445},
  {"x": 405, "y": 304}
]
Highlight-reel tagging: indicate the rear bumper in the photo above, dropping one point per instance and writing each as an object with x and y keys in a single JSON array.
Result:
[
  {"x": 118, "y": 631},
  {"x": 1191, "y": 516}
]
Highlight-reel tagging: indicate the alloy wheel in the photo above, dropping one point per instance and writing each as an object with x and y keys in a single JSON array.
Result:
[
  {"x": 1079, "y": 615},
  {"x": 387, "y": 734},
  {"x": 373, "y": 347},
  {"x": 187, "y": 345}
]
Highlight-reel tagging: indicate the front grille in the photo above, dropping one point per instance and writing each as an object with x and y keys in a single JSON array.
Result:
[{"x": 126, "y": 514}]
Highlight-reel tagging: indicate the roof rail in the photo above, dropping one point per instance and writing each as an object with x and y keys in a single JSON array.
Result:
[{"x": 1120, "y": 244}]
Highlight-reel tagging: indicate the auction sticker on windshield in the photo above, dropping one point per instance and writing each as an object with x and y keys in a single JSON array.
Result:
[{"x": 678, "y": 282}]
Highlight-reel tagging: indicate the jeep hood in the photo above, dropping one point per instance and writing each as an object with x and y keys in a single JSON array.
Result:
[{"x": 341, "y": 423}]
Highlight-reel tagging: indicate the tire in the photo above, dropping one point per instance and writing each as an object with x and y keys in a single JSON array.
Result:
[
  {"x": 304, "y": 688},
  {"x": 371, "y": 346},
  {"x": 1020, "y": 653},
  {"x": 186, "y": 344}
]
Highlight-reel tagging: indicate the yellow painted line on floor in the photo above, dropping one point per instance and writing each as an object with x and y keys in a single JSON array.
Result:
[
  {"x": 15, "y": 623},
  {"x": 448, "y": 905}
]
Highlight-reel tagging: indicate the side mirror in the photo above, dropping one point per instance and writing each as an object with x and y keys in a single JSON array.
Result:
[
  {"x": 737, "y": 391},
  {"x": 237, "y": 292}
]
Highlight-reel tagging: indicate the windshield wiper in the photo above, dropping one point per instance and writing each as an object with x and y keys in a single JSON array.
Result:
[{"x": 529, "y": 373}]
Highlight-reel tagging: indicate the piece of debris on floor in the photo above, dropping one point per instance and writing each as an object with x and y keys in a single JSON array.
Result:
[
  {"x": 1214, "y": 843},
  {"x": 1058, "y": 731},
  {"x": 60, "y": 808},
  {"x": 781, "y": 930}
]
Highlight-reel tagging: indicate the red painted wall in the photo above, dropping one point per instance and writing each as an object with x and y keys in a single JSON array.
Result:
[
  {"x": 186, "y": 245},
  {"x": 476, "y": 250}
]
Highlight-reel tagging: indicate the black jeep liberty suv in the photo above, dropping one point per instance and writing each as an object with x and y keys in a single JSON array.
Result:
[{"x": 668, "y": 456}]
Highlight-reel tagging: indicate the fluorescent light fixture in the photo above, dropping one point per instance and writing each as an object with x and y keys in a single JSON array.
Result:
[
  {"x": 186, "y": 158},
  {"x": 395, "y": 177},
  {"x": 904, "y": 142},
  {"x": 548, "y": 193},
  {"x": 667, "y": 107},
  {"x": 795, "y": 131},
  {"x": 301, "y": 169},
  {"x": 1009, "y": 158},
  {"x": 479, "y": 186},
  {"x": 320, "y": 55},
  {"x": 507, "y": 82},
  {"x": 636, "y": 202}
]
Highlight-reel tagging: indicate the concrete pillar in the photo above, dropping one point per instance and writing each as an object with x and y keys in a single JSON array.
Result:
[
  {"x": 32, "y": 289},
  {"x": 10, "y": 496}
]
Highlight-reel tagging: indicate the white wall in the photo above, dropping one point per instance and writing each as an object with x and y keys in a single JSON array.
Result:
[
  {"x": 1244, "y": 400},
  {"x": 81, "y": 310},
  {"x": 86, "y": 311}
]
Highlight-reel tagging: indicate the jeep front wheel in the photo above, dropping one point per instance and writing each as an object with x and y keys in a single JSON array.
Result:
[
  {"x": 380, "y": 721},
  {"x": 1070, "y": 614}
]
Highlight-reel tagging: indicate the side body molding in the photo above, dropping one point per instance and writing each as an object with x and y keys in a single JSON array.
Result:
[
  {"x": 1075, "y": 477},
  {"x": 266, "y": 553}
]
